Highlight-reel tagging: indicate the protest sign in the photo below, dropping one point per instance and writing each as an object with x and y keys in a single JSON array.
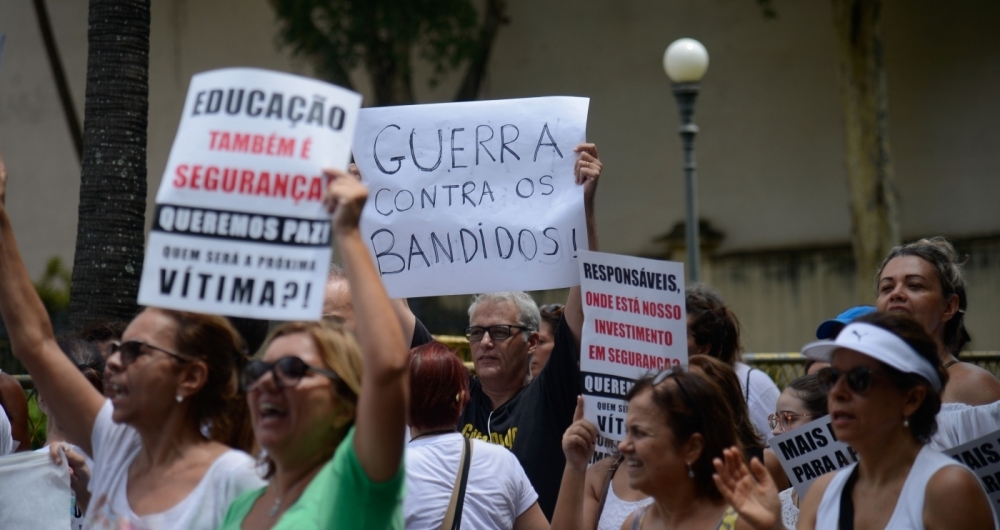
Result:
[
  {"x": 240, "y": 228},
  {"x": 634, "y": 324},
  {"x": 34, "y": 492},
  {"x": 473, "y": 197},
  {"x": 810, "y": 451},
  {"x": 982, "y": 456}
]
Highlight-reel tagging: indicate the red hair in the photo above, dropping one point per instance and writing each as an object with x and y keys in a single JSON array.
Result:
[{"x": 439, "y": 386}]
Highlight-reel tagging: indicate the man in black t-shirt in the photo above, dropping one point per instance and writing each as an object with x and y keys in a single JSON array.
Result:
[{"x": 529, "y": 418}]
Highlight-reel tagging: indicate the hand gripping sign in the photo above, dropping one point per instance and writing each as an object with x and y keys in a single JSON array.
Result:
[
  {"x": 240, "y": 228},
  {"x": 634, "y": 324},
  {"x": 473, "y": 197}
]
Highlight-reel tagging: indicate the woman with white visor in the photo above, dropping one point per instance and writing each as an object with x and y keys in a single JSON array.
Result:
[{"x": 884, "y": 387}]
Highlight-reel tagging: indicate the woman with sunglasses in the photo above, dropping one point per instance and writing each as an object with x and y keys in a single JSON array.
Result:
[
  {"x": 677, "y": 423},
  {"x": 884, "y": 388},
  {"x": 172, "y": 374},
  {"x": 801, "y": 402},
  {"x": 925, "y": 279},
  {"x": 328, "y": 409}
]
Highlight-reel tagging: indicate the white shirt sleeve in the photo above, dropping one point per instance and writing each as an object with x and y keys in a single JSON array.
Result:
[
  {"x": 958, "y": 425},
  {"x": 6, "y": 441},
  {"x": 524, "y": 494},
  {"x": 762, "y": 397}
]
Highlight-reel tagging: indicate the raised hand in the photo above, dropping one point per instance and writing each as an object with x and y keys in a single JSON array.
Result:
[
  {"x": 753, "y": 495},
  {"x": 345, "y": 199},
  {"x": 579, "y": 439},
  {"x": 587, "y": 170}
]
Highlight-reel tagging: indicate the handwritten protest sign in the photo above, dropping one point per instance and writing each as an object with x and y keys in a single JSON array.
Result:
[
  {"x": 810, "y": 451},
  {"x": 240, "y": 228},
  {"x": 473, "y": 197},
  {"x": 634, "y": 323},
  {"x": 983, "y": 458}
]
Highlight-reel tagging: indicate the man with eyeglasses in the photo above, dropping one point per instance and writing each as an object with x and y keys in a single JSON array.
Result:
[{"x": 506, "y": 407}]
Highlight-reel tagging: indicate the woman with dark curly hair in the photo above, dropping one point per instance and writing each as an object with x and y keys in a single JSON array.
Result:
[{"x": 714, "y": 330}]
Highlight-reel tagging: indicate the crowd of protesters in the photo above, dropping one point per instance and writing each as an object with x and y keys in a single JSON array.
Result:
[{"x": 362, "y": 420}]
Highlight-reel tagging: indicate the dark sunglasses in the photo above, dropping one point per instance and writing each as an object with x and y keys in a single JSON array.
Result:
[
  {"x": 287, "y": 372},
  {"x": 859, "y": 379},
  {"x": 498, "y": 332},
  {"x": 130, "y": 350}
]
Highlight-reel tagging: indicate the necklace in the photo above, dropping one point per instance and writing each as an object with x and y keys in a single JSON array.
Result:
[
  {"x": 432, "y": 433},
  {"x": 276, "y": 507}
]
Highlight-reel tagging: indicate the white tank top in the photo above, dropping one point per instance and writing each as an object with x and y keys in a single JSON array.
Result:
[
  {"x": 909, "y": 511},
  {"x": 616, "y": 510}
]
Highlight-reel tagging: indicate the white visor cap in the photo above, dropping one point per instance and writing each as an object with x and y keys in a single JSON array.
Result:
[{"x": 879, "y": 344}]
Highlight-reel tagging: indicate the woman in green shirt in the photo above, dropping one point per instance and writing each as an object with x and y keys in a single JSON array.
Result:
[{"x": 330, "y": 411}]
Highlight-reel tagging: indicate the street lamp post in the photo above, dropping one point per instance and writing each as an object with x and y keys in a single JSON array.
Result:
[{"x": 686, "y": 62}]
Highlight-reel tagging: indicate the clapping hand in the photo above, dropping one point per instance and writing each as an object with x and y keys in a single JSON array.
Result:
[{"x": 753, "y": 495}]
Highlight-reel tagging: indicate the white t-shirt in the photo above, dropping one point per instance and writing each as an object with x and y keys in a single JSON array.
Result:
[
  {"x": 6, "y": 441},
  {"x": 497, "y": 493},
  {"x": 76, "y": 518},
  {"x": 763, "y": 397},
  {"x": 959, "y": 423},
  {"x": 116, "y": 446}
]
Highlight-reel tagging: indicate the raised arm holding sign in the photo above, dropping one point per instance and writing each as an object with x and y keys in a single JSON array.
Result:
[
  {"x": 239, "y": 227},
  {"x": 473, "y": 197}
]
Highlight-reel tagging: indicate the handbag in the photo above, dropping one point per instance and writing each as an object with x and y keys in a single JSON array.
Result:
[{"x": 453, "y": 517}]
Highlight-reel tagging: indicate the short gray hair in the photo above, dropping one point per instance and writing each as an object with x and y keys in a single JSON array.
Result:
[
  {"x": 336, "y": 272},
  {"x": 528, "y": 314}
]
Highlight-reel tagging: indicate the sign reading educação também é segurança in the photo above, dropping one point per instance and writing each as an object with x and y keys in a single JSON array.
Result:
[
  {"x": 634, "y": 324},
  {"x": 473, "y": 197},
  {"x": 240, "y": 228}
]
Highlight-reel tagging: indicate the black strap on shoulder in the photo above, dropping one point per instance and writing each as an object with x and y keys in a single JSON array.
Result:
[
  {"x": 846, "y": 519},
  {"x": 466, "y": 464},
  {"x": 747, "y": 397}
]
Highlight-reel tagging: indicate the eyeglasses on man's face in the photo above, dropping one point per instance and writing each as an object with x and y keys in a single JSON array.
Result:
[{"x": 499, "y": 332}]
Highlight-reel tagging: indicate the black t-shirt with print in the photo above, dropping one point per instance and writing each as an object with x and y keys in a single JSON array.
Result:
[{"x": 531, "y": 424}]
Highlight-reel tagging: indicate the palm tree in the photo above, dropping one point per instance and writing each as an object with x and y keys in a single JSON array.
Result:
[{"x": 112, "y": 215}]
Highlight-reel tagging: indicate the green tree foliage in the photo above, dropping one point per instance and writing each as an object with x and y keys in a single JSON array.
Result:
[
  {"x": 53, "y": 286},
  {"x": 387, "y": 35}
]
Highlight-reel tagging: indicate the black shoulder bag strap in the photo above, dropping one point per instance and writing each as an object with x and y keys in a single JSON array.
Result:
[
  {"x": 846, "y": 518},
  {"x": 747, "y": 397}
]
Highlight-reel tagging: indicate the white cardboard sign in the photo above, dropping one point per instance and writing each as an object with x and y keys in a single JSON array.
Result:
[
  {"x": 810, "y": 451},
  {"x": 240, "y": 228},
  {"x": 982, "y": 456},
  {"x": 473, "y": 197},
  {"x": 634, "y": 324}
]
